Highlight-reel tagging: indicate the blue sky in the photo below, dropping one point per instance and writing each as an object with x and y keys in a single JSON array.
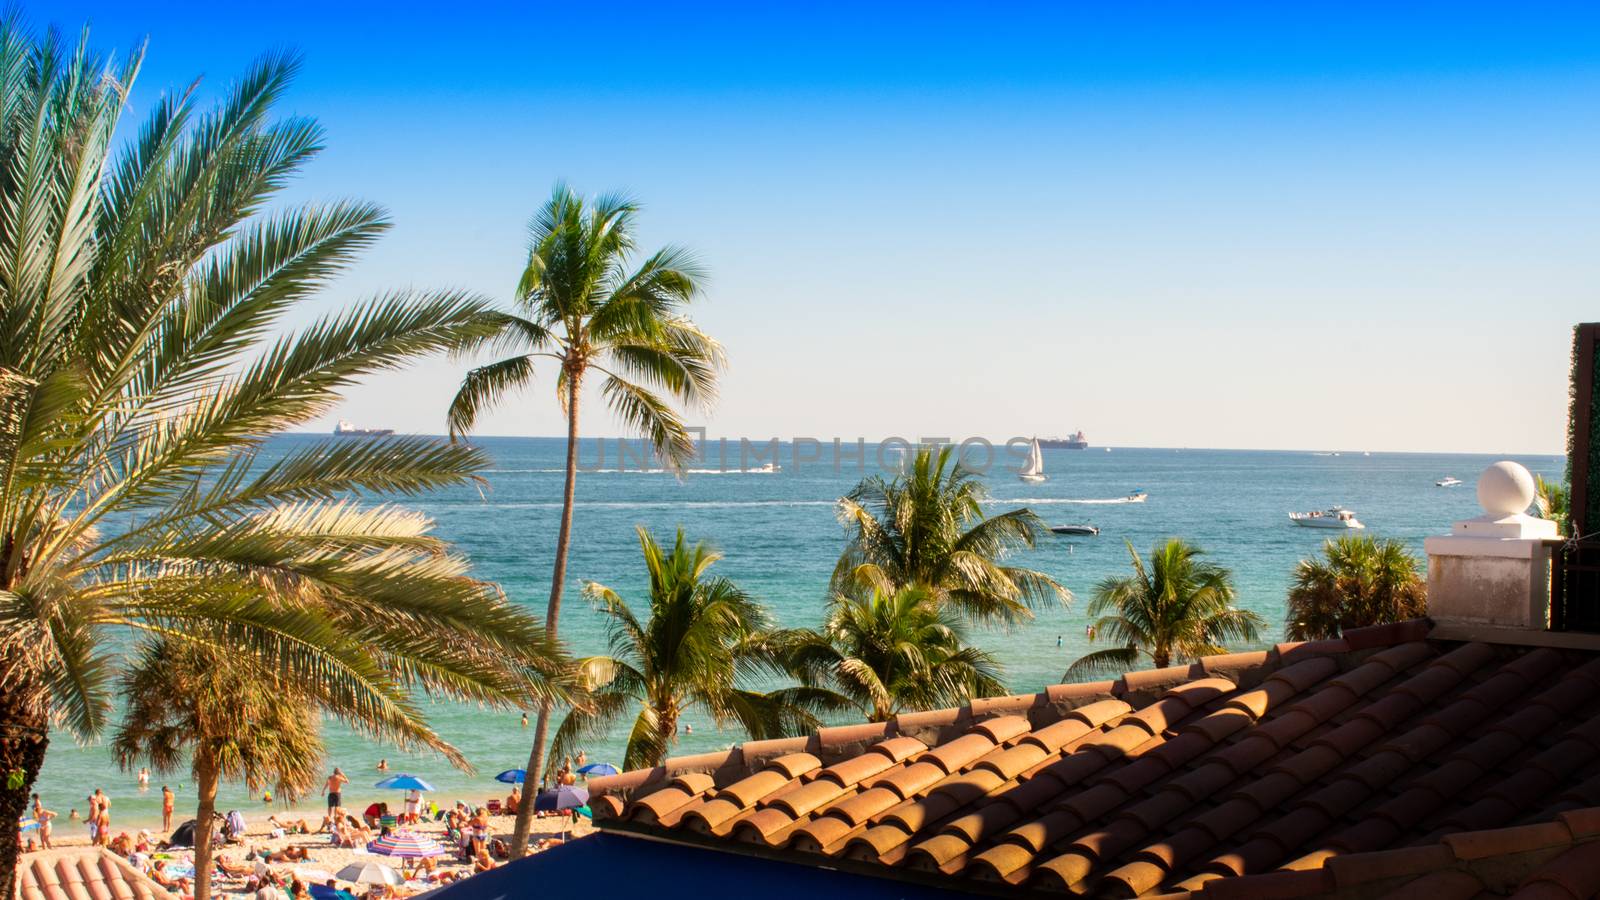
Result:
[{"x": 1246, "y": 225}]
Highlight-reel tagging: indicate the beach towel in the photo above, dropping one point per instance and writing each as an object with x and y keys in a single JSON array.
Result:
[{"x": 235, "y": 825}]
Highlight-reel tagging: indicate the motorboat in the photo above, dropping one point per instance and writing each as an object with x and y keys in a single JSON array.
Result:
[
  {"x": 1033, "y": 469},
  {"x": 1333, "y": 517},
  {"x": 770, "y": 468},
  {"x": 1074, "y": 529},
  {"x": 1448, "y": 481},
  {"x": 1136, "y": 497}
]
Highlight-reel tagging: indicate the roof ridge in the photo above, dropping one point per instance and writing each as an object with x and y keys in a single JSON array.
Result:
[{"x": 1144, "y": 686}]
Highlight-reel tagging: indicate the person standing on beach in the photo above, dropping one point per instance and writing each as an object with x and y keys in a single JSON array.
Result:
[
  {"x": 166, "y": 808},
  {"x": 334, "y": 788}
]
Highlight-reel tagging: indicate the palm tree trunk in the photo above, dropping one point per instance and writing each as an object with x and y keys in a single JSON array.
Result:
[
  {"x": 1161, "y": 657},
  {"x": 667, "y": 731},
  {"x": 519, "y": 838},
  {"x": 24, "y": 736},
  {"x": 205, "y": 771}
]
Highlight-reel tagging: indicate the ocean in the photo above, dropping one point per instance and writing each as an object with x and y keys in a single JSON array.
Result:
[{"x": 780, "y": 540}]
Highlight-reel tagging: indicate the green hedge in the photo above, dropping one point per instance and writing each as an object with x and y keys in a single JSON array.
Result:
[{"x": 1588, "y": 518}]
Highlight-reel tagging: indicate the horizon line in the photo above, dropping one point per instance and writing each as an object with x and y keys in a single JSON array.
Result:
[{"x": 998, "y": 443}]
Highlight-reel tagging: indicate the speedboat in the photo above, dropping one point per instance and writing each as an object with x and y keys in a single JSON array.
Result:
[
  {"x": 1448, "y": 481},
  {"x": 1074, "y": 529},
  {"x": 1333, "y": 517},
  {"x": 1136, "y": 497},
  {"x": 770, "y": 468}
]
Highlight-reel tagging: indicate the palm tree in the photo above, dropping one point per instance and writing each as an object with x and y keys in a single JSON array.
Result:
[
  {"x": 704, "y": 639},
  {"x": 227, "y": 719},
  {"x": 138, "y": 378},
  {"x": 581, "y": 304},
  {"x": 1177, "y": 606},
  {"x": 889, "y": 653},
  {"x": 927, "y": 529},
  {"x": 1553, "y": 500},
  {"x": 1359, "y": 581}
]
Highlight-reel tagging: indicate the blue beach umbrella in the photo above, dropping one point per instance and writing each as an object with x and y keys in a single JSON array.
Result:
[
  {"x": 404, "y": 782},
  {"x": 597, "y": 769},
  {"x": 512, "y": 776},
  {"x": 564, "y": 797}
]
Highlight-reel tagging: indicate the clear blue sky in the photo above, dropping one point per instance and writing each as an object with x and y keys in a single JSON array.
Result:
[{"x": 1246, "y": 225}]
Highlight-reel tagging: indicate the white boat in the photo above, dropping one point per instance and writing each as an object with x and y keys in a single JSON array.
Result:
[
  {"x": 1335, "y": 517},
  {"x": 1033, "y": 470},
  {"x": 1136, "y": 497},
  {"x": 1448, "y": 481},
  {"x": 770, "y": 468}
]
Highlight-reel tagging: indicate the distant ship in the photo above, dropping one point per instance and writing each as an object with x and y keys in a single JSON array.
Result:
[
  {"x": 1070, "y": 442},
  {"x": 345, "y": 429}
]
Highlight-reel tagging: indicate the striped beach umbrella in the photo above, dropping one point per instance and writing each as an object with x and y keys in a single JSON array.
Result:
[{"x": 406, "y": 845}]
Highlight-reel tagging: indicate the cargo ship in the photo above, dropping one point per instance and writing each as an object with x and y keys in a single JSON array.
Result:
[
  {"x": 1070, "y": 442},
  {"x": 345, "y": 429}
]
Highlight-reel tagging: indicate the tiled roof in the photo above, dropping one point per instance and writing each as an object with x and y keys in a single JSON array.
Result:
[
  {"x": 82, "y": 873},
  {"x": 1376, "y": 759}
]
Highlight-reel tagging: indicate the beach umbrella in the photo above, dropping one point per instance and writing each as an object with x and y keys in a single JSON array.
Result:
[
  {"x": 512, "y": 776},
  {"x": 597, "y": 769},
  {"x": 564, "y": 797},
  {"x": 405, "y": 782},
  {"x": 406, "y": 845},
  {"x": 369, "y": 873}
]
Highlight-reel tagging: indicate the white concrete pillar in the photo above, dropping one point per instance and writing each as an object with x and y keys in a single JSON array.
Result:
[{"x": 1494, "y": 569}]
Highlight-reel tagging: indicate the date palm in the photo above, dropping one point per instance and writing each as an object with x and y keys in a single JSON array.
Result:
[
  {"x": 703, "y": 641},
  {"x": 223, "y": 718},
  {"x": 1359, "y": 581},
  {"x": 890, "y": 653},
  {"x": 139, "y": 292},
  {"x": 1553, "y": 500},
  {"x": 1175, "y": 607},
  {"x": 927, "y": 529},
  {"x": 583, "y": 305}
]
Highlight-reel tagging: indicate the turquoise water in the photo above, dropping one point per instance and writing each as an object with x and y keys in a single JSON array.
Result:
[{"x": 781, "y": 540}]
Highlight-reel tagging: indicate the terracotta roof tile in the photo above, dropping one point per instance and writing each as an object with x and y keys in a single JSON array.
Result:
[
  {"x": 82, "y": 873},
  {"x": 795, "y": 764},
  {"x": 898, "y": 748},
  {"x": 1451, "y": 884},
  {"x": 1576, "y": 873},
  {"x": 1309, "y": 767}
]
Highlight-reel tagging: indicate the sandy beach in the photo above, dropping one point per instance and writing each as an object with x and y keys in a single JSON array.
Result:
[{"x": 324, "y": 858}]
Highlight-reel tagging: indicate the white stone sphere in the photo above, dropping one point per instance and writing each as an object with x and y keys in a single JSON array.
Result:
[{"x": 1505, "y": 489}]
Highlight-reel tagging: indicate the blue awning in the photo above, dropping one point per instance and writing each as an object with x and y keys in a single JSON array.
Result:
[{"x": 613, "y": 865}]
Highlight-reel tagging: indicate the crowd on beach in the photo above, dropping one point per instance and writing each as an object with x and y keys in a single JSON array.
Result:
[{"x": 283, "y": 858}]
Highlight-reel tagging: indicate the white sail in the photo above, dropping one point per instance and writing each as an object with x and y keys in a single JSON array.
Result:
[{"x": 1035, "y": 465}]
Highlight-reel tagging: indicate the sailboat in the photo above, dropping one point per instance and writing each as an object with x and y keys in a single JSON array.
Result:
[{"x": 1034, "y": 469}]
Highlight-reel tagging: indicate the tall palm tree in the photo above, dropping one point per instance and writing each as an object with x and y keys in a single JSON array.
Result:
[
  {"x": 1178, "y": 606},
  {"x": 889, "y": 653},
  {"x": 138, "y": 377},
  {"x": 227, "y": 719},
  {"x": 582, "y": 304},
  {"x": 927, "y": 529},
  {"x": 1359, "y": 581},
  {"x": 704, "y": 640}
]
